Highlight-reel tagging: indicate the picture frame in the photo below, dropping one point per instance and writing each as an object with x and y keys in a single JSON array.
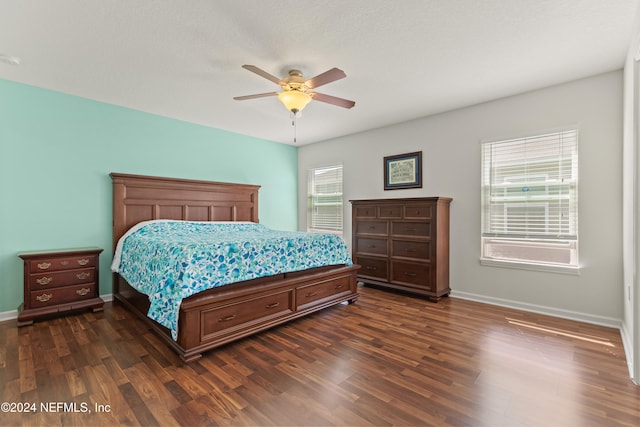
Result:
[{"x": 403, "y": 171}]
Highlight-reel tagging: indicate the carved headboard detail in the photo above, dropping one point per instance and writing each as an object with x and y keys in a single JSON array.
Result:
[{"x": 139, "y": 198}]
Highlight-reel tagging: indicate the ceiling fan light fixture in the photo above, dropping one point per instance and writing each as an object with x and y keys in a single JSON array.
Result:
[{"x": 294, "y": 100}]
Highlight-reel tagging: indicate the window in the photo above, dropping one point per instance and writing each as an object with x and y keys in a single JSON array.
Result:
[
  {"x": 530, "y": 200},
  {"x": 324, "y": 205}
]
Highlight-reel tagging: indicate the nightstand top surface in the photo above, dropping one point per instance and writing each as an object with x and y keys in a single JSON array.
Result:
[{"x": 59, "y": 252}]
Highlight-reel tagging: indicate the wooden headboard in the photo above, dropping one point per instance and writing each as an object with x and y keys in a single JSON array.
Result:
[{"x": 139, "y": 198}]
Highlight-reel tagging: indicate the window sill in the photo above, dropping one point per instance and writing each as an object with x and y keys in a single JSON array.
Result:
[{"x": 575, "y": 271}]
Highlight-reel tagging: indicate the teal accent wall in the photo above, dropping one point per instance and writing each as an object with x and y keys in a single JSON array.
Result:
[{"x": 56, "y": 153}]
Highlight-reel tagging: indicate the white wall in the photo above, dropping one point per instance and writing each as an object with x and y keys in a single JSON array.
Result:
[
  {"x": 631, "y": 256},
  {"x": 450, "y": 143}
]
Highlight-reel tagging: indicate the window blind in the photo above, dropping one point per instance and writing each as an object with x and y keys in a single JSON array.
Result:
[
  {"x": 530, "y": 195},
  {"x": 325, "y": 199}
]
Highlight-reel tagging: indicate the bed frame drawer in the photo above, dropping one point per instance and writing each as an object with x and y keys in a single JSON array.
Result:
[
  {"x": 311, "y": 295},
  {"x": 244, "y": 314}
]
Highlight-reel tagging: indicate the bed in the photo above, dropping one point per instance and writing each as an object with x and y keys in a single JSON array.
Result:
[{"x": 223, "y": 314}]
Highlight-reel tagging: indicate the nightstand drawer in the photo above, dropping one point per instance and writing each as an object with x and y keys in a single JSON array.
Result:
[
  {"x": 50, "y": 297},
  {"x": 57, "y": 264},
  {"x": 62, "y": 278}
]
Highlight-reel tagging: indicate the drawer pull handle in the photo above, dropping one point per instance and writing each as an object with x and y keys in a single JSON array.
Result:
[
  {"x": 311, "y": 294},
  {"x": 44, "y": 265},
  {"x": 338, "y": 286},
  {"x": 228, "y": 318},
  {"x": 83, "y": 261},
  {"x": 82, "y": 292},
  {"x": 64, "y": 262},
  {"x": 410, "y": 274},
  {"x": 83, "y": 275},
  {"x": 44, "y": 297},
  {"x": 368, "y": 267},
  {"x": 273, "y": 305},
  {"x": 44, "y": 280}
]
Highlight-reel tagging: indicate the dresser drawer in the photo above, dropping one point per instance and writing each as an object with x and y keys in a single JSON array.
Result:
[
  {"x": 307, "y": 296},
  {"x": 414, "y": 229},
  {"x": 373, "y": 267},
  {"x": 365, "y": 211},
  {"x": 411, "y": 249},
  {"x": 371, "y": 246},
  {"x": 372, "y": 227},
  {"x": 390, "y": 211},
  {"x": 57, "y": 264},
  {"x": 50, "y": 297},
  {"x": 246, "y": 313},
  {"x": 413, "y": 274},
  {"x": 424, "y": 211},
  {"x": 61, "y": 278}
]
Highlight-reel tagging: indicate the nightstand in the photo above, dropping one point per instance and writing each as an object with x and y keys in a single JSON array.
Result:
[{"x": 59, "y": 281}]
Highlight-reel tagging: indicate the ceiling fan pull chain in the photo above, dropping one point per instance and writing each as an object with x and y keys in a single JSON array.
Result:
[{"x": 295, "y": 128}]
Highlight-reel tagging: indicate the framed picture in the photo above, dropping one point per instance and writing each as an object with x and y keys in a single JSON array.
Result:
[{"x": 403, "y": 171}]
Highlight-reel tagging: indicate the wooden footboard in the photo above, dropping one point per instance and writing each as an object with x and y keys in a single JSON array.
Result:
[{"x": 222, "y": 315}]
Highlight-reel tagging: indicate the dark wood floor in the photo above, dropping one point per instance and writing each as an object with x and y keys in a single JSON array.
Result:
[{"x": 389, "y": 359}]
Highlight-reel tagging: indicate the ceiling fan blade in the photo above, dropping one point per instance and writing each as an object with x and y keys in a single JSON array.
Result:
[
  {"x": 340, "y": 102},
  {"x": 257, "y": 95},
  {"x": 262, "y": 73},
  {"x": 327, "y": 77}
]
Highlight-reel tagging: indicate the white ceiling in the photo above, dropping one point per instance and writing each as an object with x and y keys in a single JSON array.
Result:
[{"x": 403, "y": 59}]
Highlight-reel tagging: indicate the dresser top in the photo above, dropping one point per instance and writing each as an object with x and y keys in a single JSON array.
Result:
[{"x": 405, "y": 200}]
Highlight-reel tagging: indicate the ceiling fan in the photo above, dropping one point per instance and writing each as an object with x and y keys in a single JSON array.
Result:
[{"x": 297, "y": 91}]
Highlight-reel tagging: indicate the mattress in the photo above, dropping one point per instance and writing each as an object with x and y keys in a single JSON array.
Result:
[{"x": 171, "y": 260}]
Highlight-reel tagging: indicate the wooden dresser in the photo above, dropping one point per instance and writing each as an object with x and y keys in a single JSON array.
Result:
[
  {"x": 403, "y": 243},
  {"x": 56, "y": 282}
]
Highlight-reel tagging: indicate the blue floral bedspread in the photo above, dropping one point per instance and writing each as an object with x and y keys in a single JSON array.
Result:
[{"x": 172, "y": 260}]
